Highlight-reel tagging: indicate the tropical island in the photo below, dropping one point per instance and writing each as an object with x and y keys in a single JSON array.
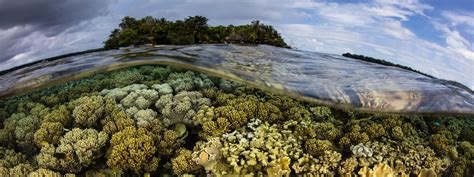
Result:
[{"x": 191, "y": 30}]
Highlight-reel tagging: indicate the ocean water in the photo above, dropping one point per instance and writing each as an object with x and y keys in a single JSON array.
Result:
[{"x": 225, "y": 110}]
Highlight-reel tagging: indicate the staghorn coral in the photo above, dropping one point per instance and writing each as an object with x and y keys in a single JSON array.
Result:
[
  {"x": 182, "y": 107},
  {"x": 78, "y": 149},
  {"x": 133, "y": 149},
  {"x": 183, "y": 163}
]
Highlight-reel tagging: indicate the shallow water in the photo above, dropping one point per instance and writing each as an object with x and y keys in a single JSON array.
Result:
[
  {"x": 161, "y": 120},
  {"x": 322, "y": 78}
]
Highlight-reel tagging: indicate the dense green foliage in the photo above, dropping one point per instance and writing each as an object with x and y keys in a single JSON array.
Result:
[
  {"x": 382, "y": 62},
  {"x": 192, "y": 30}
]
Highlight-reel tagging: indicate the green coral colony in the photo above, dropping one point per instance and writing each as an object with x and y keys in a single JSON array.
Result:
[{"x": 157, "y": 121}]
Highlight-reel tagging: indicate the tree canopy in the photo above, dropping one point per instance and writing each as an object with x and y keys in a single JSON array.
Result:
[
  {"x": 191, "y": 30},
  {"x": 382, "y": 62}
]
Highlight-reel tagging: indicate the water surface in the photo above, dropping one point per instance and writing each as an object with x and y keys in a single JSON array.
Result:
[{"x": 327, "y": 79}]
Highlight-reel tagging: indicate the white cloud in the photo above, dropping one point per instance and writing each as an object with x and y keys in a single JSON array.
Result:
[{"x": 460, "y": 18}]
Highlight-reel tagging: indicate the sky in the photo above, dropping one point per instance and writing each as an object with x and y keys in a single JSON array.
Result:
[{"x": 432, "y": 36}]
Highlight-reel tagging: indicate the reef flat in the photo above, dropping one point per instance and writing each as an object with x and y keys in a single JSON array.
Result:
[{"x": 156, "y": 120}]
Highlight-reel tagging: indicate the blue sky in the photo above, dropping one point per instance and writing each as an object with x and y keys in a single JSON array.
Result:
[{"x": 435, "y": 36}]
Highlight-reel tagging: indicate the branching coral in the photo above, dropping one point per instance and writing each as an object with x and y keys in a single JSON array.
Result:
[
  {"x": 323, "y": 165},
  {"x": 188, "y": 81},
  {"x": 205, "y": 114},
  {"x": 60, "y": 114},
  {"x": 442, "y": 142},
  {"x": 269, "y": 113},
  {"x": 116, "y": 120},
  {"x": 77, "y": 149},
  {"x": 298, "y": 113},
  {"x": 183, "y": 163},
  {"x": 42, "y": 172},
  {"x": 89, "y": 110},
  {"x": 169, "y": 143},
  {"x": 317, "y": 147},
  {"x": 141, "y": 99},
  {"x": 133, "y": 149},
  {"x": 215, "y": 128},
  {"x": 49, "y": 132},
  {"x": 182, "y": 107},
  {"x": 257, "y": 150},
  {"x": 24, "y": 132},
  {"x": 321, "y": 112},
  {"x": 9, "y": 158}
]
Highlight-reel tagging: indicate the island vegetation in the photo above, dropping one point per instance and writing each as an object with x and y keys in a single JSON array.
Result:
[
  {"x": 383, "y": 62},
  {"x": 191, "y": 30}
]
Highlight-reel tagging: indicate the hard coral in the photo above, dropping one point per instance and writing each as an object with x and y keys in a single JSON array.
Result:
[
  {"x": 188, "y": 81},
  {"x": 89, "y": 110},
  {"x": 49, "y": 132},
  {"x": 182, "y": 107},
  {"x": 208, "y": 154},
  {"x": 77, "y": 149},
  {"x": 183, "y": 163},
  {"x": 133, "y": 149},
  {"x": 317, "y": 147},
  {"x": 257, "y": 150},
  {"x": 169, "y": 143}
]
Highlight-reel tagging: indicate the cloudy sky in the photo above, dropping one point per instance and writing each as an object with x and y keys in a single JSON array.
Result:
[{"x": 433, "y": 36}]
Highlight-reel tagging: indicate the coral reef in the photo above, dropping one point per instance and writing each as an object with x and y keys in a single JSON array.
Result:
[
  {"x": 182, "y": 107},
  {"x": 154, "y": 120},
  {"x": 77, "y": 149},
  {"x": 183, "y": 163},
  {"x": 133, "y": 149}
]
